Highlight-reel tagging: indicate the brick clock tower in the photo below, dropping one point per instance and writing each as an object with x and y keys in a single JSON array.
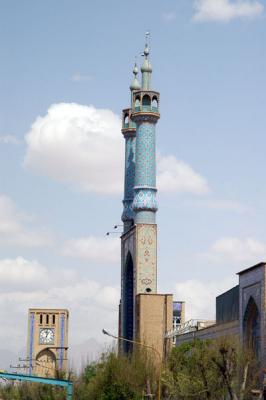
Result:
[
  {"x": 144, "y": 314},
  {"x": 47, "y": 341}
]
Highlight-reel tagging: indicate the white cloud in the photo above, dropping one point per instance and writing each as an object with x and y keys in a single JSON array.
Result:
[
  {"x": 92, "y": 248},
  {"x": 234, "y": 253},
  {"x": 200, "y": 296},
  {"x": 80, "y": 145},
  {"x": 20, "y": 273},
  {"x": 246, "y": 250},
  {"x": 25, "y": 284},
  {"x": 177, "y": 176},
  {"x": 14, "y": 230},
  {"x": 169, "y": 16},
  {"x": 9, "y": 139},
  {"x": 223, "y": 205},
  {"x": 77, "y": 77},
  {"x": 83, "y": 146},
  {"x": 226, "y": 10},
  {"x": 24, "y": 275}
]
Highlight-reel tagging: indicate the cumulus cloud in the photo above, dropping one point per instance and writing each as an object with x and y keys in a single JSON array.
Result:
[
  {"x": 9, "y": 139},
  {"x": 14, "y": 230},
  {"x": 177, "y": 176},
  {"x": 246, "y": 250},
  {"x": 226, "y": 10},
  {"x": 83, "y": 146},
  {"x": 200, "y": 296},
  {"x": 236, "y": 253},
  {"x": 80, "y": 145},
  {"x": 26, "y": 283},
  {"x": 92, "y": 248}
]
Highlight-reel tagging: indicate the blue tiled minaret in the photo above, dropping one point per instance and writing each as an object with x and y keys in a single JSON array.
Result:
[
  {"x": 129, "y": 132},
  {"x": 145, "y": 114},
  {"x": 139, "y": 239}
]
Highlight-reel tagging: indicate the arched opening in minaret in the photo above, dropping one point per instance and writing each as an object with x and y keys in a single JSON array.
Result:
[
  {"x": 251, "y": 327},
  {"x": 154, "y": 103},
  {"x": 129, "y": 302},
  {"x": 137, "y": 103},
  {"x": 126, "y": 120},
  {"x": 146, "y": 101}
]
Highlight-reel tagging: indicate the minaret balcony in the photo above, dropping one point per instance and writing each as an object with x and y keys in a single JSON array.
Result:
[
  {"x": 127, "y": 123},
  {"x": 146, "y": 101}
]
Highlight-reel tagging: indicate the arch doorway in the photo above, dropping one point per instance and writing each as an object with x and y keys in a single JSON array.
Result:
[
  {"x": 45, "y": 363},
  {"x": 251, "y": 327},
  {"x": 129, "y": 302}
]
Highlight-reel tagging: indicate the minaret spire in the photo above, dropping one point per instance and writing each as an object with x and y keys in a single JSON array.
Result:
[
  {"x": 135, "y": 85},
  {"x": 146, "y": 68}
]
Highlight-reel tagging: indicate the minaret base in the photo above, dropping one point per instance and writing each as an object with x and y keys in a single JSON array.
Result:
[{"x": 154, "y": 317}]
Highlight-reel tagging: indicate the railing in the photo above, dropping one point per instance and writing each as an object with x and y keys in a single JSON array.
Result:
[
  {"x": 127, "y": 125},
  {"x": 189, "y": 326},
  {"x": 146, "y": 109}
]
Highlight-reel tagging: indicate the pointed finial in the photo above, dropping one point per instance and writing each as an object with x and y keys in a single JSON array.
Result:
[
  {"x": 135, "y": 69},
  {"x": 135, "y": 85},
  {"x": 146, "y": 68}
]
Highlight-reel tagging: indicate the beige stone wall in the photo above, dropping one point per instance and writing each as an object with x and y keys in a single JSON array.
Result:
[
  {"x": 212, "y": 332},
  {"x": 45, "y": 357},
  {"x": 154, "y": 316}
]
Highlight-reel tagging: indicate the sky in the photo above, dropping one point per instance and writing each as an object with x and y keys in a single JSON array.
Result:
[{"x": 65, "y": 72}]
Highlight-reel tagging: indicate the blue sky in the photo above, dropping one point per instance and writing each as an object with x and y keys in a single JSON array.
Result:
[{"x": 61, "y": 167}]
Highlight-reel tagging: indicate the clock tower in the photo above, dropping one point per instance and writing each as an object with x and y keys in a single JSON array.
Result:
[{"x": 47, "y": 346}]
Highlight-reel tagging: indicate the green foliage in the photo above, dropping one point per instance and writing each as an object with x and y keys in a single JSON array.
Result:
[
  {"x": 194, "y": 374},
  {"x": 200, "y": 370},
  {"x": 215, "y": 370},
  {"x": 116, "y": 377},
  {"x": 31, "y": 391}
]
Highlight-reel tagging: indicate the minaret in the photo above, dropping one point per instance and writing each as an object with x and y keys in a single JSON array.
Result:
[
  {"x": 139, "y": 239},
  {"x": 145, "y": 113},
  {"x": 129, "y": 132}
]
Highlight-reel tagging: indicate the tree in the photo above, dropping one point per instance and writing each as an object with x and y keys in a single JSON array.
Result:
[{"x": 210, "y": 369}]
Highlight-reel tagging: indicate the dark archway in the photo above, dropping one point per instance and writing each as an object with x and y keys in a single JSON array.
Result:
[
  {"x": 129, "y": 302},
  {"x": 146, "y": 101},
  {"x": 251, "y": 326}
]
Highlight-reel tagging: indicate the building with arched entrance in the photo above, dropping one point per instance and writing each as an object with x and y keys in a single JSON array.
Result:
[{"x": 240, "y": 312}]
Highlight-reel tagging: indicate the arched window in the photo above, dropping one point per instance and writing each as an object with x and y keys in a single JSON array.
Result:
[
  {"x": 40, "y": 319},
  {"x": 53, "y": 319},
  {"x": 251, "y": 326},
  {"x": 146, "y": 101},
  {"x": 126, "y": 120},
  {"x": 47, "y": 319},
  {"x": 154, "y": 103},
  {"x": 137, "y": 103}
]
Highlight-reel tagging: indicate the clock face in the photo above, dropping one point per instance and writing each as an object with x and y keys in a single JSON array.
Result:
[{"x": 47, "y": 336}]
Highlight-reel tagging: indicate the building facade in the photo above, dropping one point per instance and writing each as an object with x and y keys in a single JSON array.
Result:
[
  {"x": 240, "y": 312},
  {"x": 47, "y": 347}
]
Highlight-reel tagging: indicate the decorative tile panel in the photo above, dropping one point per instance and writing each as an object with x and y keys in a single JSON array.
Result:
[
  {"x": 145, "y": 199},
  {"x": 146, "y": 258}
]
